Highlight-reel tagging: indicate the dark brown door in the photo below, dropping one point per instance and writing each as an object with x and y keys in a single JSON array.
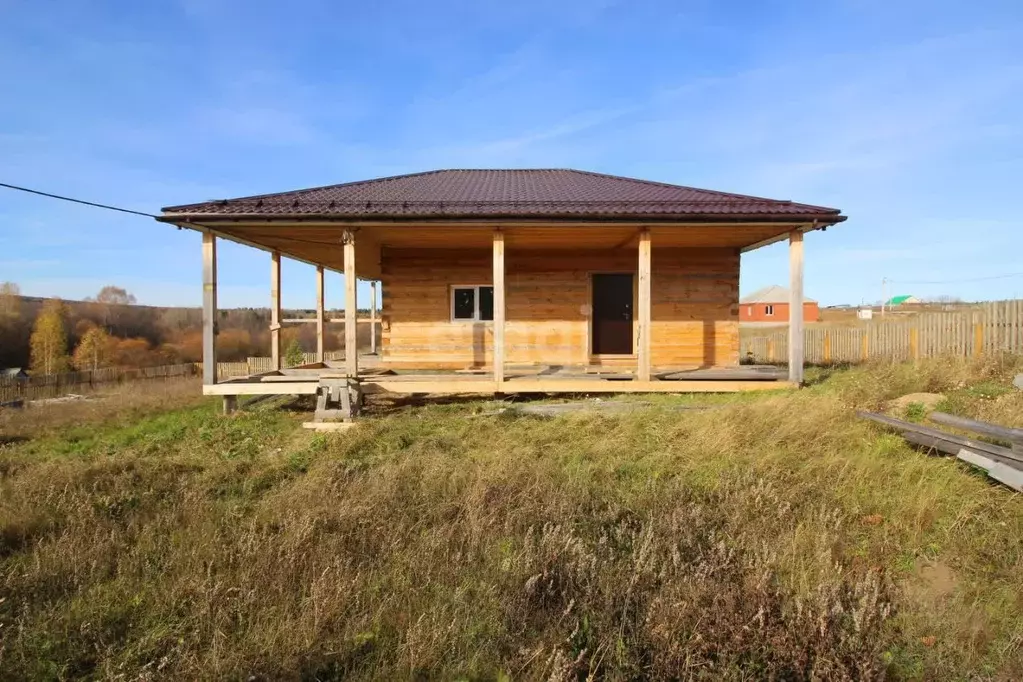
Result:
[{"x": 612, "y": 314}]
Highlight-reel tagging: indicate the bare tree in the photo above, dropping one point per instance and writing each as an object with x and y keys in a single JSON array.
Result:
[
  {"x": 112, "y": 295},
  {"x": 10, "y": 302},
  {"x": 110, "y": 308}
]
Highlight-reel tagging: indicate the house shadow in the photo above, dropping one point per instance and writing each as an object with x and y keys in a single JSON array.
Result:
[
  {"x": 479, "y": 344},
  {"x": 710, "y": 357}
]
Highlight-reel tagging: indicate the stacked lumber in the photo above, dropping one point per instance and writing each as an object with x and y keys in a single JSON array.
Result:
[{"x": 1004, "y": 463}]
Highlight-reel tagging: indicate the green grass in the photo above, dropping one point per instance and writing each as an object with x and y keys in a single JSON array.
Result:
[{"x": 774, "y": 535}]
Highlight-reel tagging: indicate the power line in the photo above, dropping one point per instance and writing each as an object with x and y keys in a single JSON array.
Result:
[
  {"x": 77, "y": 201},
  {"x": 957, "y": 281},
  {"x": 150, "y": 215}
]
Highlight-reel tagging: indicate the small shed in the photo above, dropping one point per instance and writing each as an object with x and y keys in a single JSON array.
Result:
[
  {"x": 13, "y": 374},
  {"x": 506, "y": 281},
  {"x": 771, "y": 304}
]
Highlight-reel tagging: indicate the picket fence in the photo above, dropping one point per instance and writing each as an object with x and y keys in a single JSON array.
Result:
[
  {"x": 265, "y": 364},
  {"x": 44, "y": 386},
  {"x": 992, "y": 327}
]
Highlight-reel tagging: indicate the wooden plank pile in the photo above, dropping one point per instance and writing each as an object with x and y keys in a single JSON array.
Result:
[{"x": 1004, "y": 463}]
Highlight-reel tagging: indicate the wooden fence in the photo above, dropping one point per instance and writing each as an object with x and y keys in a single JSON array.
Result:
[
  {"x": 265, "y": 364},
  {"x": 991, "y": 327},
  {"x": 43, "y": 386},
  {"x": 40, "y": 386}
]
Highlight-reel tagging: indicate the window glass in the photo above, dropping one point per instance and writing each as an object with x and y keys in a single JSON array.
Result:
[
  {"x": 487, "y": 303},
  {"x": 465, "y": 303}
]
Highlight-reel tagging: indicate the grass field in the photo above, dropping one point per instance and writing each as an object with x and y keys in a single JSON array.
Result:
[{"x": 770, "y": 536}]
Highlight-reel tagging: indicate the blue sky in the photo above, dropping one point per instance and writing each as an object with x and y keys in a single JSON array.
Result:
[{"x": 906, "y": 114}]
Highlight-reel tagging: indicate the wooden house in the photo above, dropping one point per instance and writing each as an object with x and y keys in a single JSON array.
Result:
[{"x": 502, "y": 281}]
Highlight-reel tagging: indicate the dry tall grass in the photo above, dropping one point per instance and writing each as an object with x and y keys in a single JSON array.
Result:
[
  {"x": 118, "y": 403},
  {"x": 773, "y": 537}
]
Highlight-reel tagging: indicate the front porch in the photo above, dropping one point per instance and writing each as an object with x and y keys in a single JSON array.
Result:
[
  {"x": 538, "y": 352},
  {"x": 553, "y": 379}
]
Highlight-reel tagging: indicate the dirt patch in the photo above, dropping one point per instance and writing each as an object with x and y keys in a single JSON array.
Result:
[
  {"x": 932, "y": 582},
  {"x": 928, "y": 400}
]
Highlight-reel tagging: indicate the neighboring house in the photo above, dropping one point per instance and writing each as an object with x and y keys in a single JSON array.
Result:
[
  {"x": 14, "y": 374},
  {"x": 771, "y": 304},
  {"x": 901, "y": 300},
  {"x": 506, "y": 270}
]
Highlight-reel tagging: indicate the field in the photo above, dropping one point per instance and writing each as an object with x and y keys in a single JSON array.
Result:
[{"x": 736, "y": 537}]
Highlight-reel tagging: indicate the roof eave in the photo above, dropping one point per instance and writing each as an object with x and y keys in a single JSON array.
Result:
[{"x": 821, "y": 220}]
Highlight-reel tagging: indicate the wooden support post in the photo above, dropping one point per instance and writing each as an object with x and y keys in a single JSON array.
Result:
[
  {"x": 796, "y": 307},
  {"x": 373, "y": 318},
  {"x": 643, "y": 349},
  {"x": 827, "y": 347},
  {"x": 770, "y": 351},
  {"x": 864, "y": 345},
  {"x": 351, "y": 307},
  {"x": 209, "y": 309},
  {"x": 498, "y": 307},
  {"x": 275, "y": 310},
  {"x": 978, "y": 339},
  {"x": 914, "y": 344},
  {"x": 321, "y": 318},
  {"x": 230, "y": 404}
]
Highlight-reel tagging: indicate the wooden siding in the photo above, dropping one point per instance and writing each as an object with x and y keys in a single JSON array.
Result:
[{"x": 694, "y": 306}]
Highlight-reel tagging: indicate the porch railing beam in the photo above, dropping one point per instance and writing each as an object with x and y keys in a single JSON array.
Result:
[
  {"x": 796, "y": 306},
  {"x": 498, "y": 307},
  {"x": 373, "y": 317},
  {"x": 209, "y": 309},
  {"x": 321, "y": 320},
  {"x": 275, "y": 309},
  {"x": 643, "y": 349},
  {"x": 351, "y": 307}
]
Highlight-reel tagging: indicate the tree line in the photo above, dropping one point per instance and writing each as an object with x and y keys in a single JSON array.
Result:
[{"x": 50, "y": 336}]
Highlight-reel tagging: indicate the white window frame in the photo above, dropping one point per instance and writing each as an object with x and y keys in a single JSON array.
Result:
[
  {"x": 475, "y": 298},
  {"x": 769, "y": 309}
]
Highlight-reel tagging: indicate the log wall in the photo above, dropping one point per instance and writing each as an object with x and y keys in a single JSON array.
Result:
[{"x": 548, "y": 299}]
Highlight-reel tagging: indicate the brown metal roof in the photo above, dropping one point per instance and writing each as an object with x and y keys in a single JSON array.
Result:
[{"x": 531, "y": 193}]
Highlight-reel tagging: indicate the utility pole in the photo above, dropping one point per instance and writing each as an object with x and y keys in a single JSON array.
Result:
[{"x": 884, "y": 296}]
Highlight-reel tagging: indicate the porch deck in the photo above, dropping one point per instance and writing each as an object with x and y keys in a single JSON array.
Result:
[{"x": 536, "y": 379}]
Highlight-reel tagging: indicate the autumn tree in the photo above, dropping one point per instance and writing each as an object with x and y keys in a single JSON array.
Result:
[
  {"x": 94, "y": 350},
  {"x": 48, "y": 344},
  {"x": 293, "y": 354},
  {"x": 233, "y": 345},
  {"x": 134, "y": 352}
]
